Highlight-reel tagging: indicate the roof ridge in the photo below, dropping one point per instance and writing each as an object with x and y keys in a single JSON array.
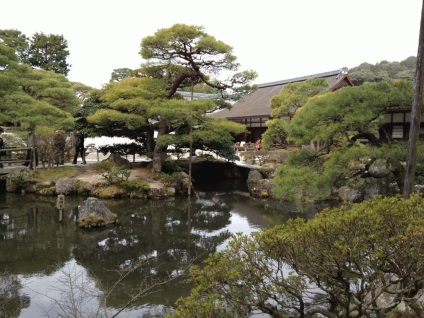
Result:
[{"x": 302, "y": 78}]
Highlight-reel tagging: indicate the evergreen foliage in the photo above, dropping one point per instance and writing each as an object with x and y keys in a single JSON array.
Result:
[
  {"x": 16, "y": 40},
  {"x": 284, "y": 105},
  {"x": 34, "y": 97},
  {"x": 344, "y": 128},
  {"x": 140, "y": 102},
  {"x": 49, "y": 52},
  {"x": 384, "y": 71}
]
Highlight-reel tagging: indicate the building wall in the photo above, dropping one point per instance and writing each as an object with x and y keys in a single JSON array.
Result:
[
  {"x": 256, "y": 126},
  {"x": 396, "y": 126}
]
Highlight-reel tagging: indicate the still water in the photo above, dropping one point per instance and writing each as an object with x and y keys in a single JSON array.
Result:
[{"x": 53, "y": 269}]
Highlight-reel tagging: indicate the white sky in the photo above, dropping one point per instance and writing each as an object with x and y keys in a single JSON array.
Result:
[{"x": 279, "y": 39}]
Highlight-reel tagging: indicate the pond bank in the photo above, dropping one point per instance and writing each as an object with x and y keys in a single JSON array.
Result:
[{"x": 136, "y": 181}]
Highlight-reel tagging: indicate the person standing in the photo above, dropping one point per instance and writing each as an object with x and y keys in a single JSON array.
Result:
[
  {"x": 258, "y": 144},
  {"x": 59, "y": 147},
  {"x": 79, "y": 147},
  {"x": 2, "y": 153},
  {"x": 32, "y": 140}
]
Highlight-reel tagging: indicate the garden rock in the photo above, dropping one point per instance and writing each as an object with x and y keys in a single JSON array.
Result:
[
  {"x": 349, "y": 194},
  {"x": 94, "y": 213},
  {"x": 69, "y": 186}
]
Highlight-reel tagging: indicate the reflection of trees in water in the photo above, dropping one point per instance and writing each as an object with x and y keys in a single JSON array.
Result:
[
  {"x": 165, "y": 234},
  {"x": 279, "y": 212},
  {"x": 212, "y": 213},
  {"x": 11, "y": 302},
  {"x": 31, "y": 240}
]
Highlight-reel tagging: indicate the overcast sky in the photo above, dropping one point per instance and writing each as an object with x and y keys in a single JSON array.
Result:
[{"x": 279, "y": 39}]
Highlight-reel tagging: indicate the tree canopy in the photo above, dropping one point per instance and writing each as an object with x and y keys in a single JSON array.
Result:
[
  {"x": 146, "y": 100},
  {"x": 342, "y": 115},
  {"x": 132, "y": 106},
  {"x": 18, "y": 41},
  {"x": 49, "y": 52},
  {"x": 284, "y": 105},
  {"x": 344, "y": 127},
  {"x": 126, "y": 106},
  {"x": 119, "y": 74},
  {"x": 9, "y": 69},
  {"x": 33, "y": 86},
  {"x": 183, "y": 55},
  {"x": 31, "y": 96},
  {"x": 384, "y": 71}
]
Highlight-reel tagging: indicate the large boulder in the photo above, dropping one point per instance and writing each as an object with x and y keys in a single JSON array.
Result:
[
  {"x": 258, "y": 185},
  {"x": 69, "y": 186},
  {"x": 254, "y": 177},
  {"x": 181, "y": 187},
  {"x": 373, "y": 189},
  {"x": 349, "y": 194},
  {"x": 94, "y": 213},
  {"x": 118, "y": 160},
  {"x": 263, "y": 189},
  {"x": 161, "y": 193},
  {"x": 379, "y": 168}
]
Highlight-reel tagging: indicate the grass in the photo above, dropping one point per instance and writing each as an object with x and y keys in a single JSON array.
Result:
[{"x": 49, "y": 175}]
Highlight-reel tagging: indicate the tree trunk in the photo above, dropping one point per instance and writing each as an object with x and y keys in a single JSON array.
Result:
[
  {"x": 150, "y": 139},
  {"x": 415, "y": 114},
  {"x": 33, "y": 158},
  {"x": 157, "y": 152}
]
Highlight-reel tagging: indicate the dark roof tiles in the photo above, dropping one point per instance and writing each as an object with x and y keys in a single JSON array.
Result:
[{"x": 258, "y": 103}]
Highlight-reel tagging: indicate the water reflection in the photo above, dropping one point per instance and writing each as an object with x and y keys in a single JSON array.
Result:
[{"x": 41, "y": 258}]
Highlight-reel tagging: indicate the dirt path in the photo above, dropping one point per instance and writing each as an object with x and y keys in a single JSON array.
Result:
[{"x": 137, "y": 174}]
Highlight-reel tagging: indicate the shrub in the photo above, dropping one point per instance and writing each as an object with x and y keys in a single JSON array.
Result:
[
  {"x": 170, "y": 180},
  {"x": 111, "y": 172},
  {"x": 123, "y": 149},
  {"x": 104, "y": 166},
  {"x": 21, "y": 177},
  {"x": 135, "y": 186},
  {"x": 358, "y": 258}
]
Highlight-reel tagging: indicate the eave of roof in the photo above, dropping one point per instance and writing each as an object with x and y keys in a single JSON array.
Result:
[{"x": 300, "y": 79}]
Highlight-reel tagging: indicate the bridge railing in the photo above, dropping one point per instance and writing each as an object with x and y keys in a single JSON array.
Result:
[{"x": 13, "y": 155}]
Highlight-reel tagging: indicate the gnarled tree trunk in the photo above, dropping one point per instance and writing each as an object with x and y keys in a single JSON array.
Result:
[{"x": 157, "y": 152}]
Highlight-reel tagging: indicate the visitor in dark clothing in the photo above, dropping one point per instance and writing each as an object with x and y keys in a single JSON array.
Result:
[
  {"x": 79, "y": 147},
  {"x": 32, "y": 140}
]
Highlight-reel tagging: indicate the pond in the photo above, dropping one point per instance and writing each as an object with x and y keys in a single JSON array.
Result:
[{"x": 51, "y": 268}]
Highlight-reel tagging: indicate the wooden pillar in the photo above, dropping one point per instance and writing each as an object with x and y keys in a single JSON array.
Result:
[{"x": 415, "y": 114}]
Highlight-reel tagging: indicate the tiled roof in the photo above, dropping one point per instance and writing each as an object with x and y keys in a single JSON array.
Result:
[{"x": 258, "y": 103}]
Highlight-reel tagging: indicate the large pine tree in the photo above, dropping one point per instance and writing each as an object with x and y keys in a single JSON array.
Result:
[{"x": 49, "y": 52}]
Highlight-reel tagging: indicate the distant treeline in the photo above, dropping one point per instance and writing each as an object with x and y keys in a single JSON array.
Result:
[{"x": 384, "y": 71}]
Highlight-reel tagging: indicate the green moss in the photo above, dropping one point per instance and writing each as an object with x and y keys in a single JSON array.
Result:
[
  {"x": 111, "y": 191},
  {"x": 140, "y": 186},
  {"x": 52, "y": 175}
]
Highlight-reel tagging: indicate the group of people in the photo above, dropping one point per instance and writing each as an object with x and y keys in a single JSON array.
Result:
[{"x": 76, "y": 139}]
